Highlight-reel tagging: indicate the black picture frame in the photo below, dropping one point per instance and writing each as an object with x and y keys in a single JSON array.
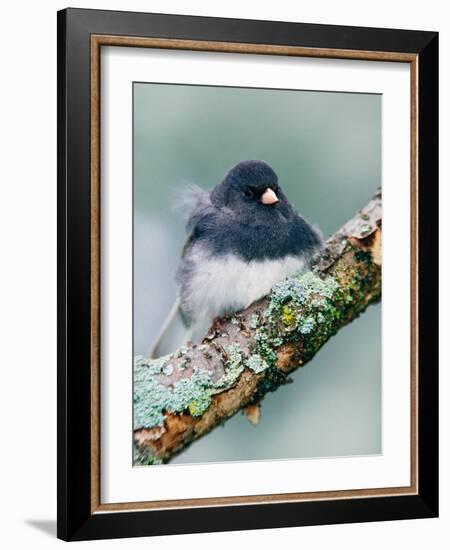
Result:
[{"x": 76, "y": 520}]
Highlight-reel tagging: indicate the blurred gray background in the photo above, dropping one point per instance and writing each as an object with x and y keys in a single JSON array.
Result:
[{"x": 326, "y": 150}]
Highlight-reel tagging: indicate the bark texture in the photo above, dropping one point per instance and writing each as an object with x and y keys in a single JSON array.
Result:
[{"x": 182, "y": 396}]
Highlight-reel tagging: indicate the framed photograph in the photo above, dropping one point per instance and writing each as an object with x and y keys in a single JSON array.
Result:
[{"x": 247, "y": 256}]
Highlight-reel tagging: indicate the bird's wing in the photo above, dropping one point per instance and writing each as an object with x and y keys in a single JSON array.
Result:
[{"x": 174, "y": 333}]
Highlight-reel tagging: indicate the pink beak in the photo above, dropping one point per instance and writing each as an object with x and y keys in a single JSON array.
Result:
[{"x": 269, "y": 197}]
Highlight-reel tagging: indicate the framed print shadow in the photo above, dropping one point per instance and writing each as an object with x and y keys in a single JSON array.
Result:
[{"x": 247, "y": 274}]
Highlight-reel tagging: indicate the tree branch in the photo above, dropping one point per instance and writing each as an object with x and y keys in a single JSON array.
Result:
[{"x": 182, "y": 396}]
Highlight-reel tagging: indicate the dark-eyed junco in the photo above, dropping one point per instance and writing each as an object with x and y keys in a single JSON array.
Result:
[{"x": 244, "y": 236}]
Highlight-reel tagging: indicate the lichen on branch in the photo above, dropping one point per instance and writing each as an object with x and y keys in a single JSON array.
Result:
[{"x": 179, "y": 397}]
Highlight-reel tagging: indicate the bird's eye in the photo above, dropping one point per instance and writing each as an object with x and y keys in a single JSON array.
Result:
[{"x": 248, "y": 193}]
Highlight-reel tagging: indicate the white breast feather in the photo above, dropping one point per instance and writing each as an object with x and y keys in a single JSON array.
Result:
[{"x": 226, "y": 284}]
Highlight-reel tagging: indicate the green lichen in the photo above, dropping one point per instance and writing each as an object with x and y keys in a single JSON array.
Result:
[
  {"x": 307, "y": 308},
  {"x": 264, "y": 345},
  {"x": 256, "y": 363},
  {"x": 228, "y": 379},
  {"x": 234, "y": 365},
  {"x": 298, "y": 306},
  {"x": 254, "y": 321},
  {"x": 234, "y": 356},
  {"x": 301, "y": 303},
  {"x": 201, "y": 403},
  {"x": 288, "y": 317},
  {"x": 152, "y": 399},
  {"x": 307, "y": 324},
  {"x": 296, "y": 301}
]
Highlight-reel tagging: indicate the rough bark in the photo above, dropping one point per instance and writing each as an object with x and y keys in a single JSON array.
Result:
[{"x": 180, "y": 397}]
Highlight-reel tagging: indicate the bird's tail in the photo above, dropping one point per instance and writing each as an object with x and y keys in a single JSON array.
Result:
[{"x": 174, "y": 333}]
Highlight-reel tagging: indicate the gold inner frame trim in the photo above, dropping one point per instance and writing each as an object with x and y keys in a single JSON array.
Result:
[{"x": 263, "y": 49}]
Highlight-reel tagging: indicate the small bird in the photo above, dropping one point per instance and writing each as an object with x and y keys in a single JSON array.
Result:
[{"x": 243, "y": 237}]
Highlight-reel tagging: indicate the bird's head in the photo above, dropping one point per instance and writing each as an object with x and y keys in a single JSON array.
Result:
[{"x": 250, "y": 188}]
